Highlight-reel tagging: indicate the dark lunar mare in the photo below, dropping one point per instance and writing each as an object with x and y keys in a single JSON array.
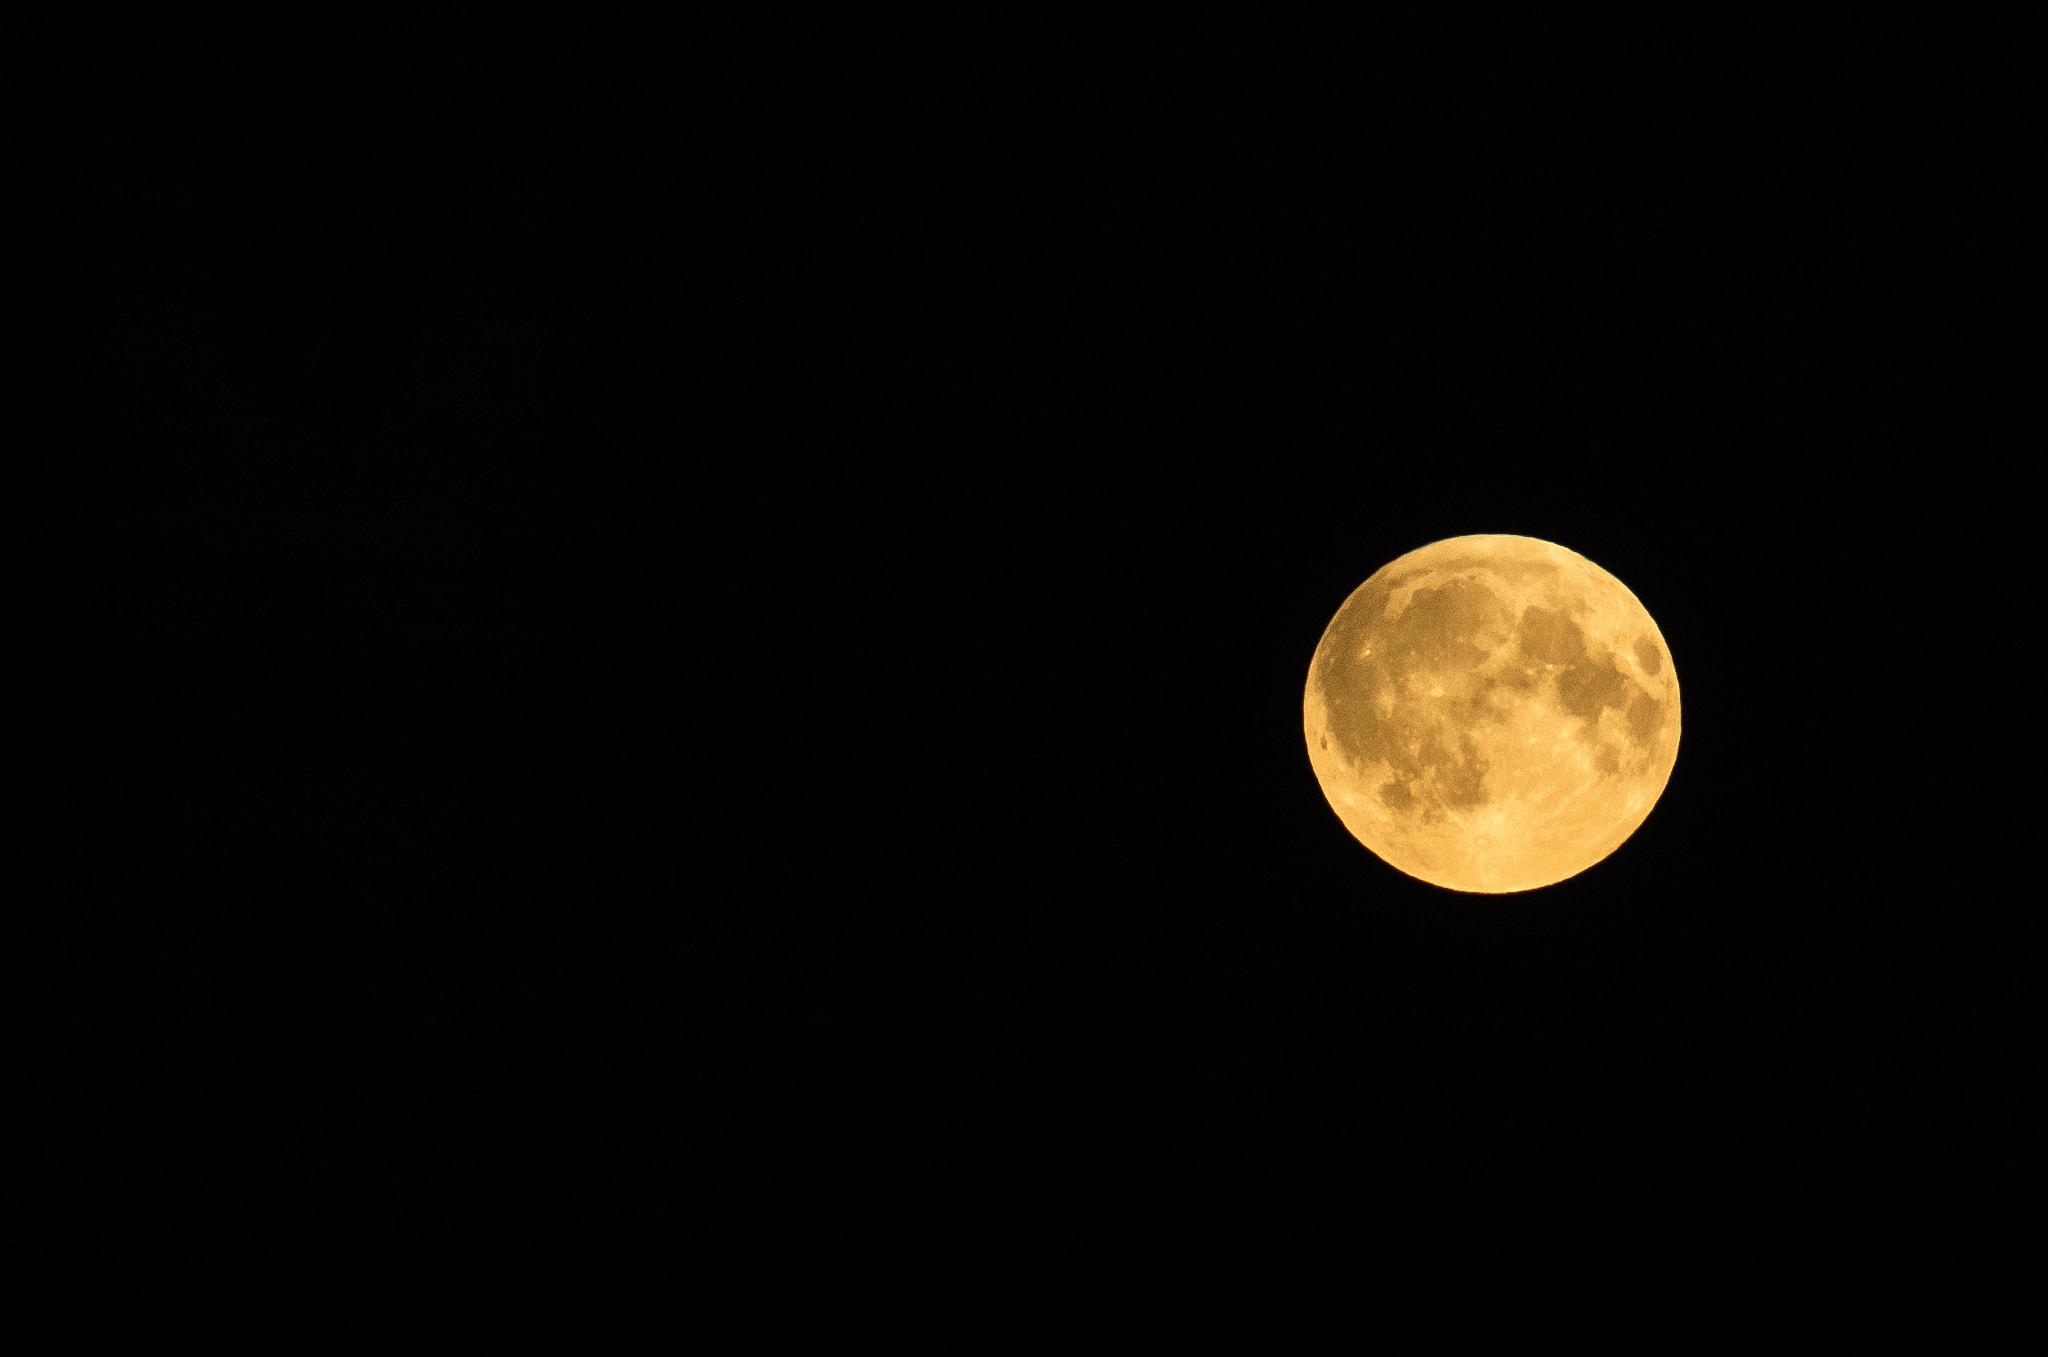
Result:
[
  {"x": 1459, "y": 625},
  {"x": 1590, "y": 680}
]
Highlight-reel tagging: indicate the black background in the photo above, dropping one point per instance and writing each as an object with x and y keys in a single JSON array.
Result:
[{"x": 699, "y": 730}]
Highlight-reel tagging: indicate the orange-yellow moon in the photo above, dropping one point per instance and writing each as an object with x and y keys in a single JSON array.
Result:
[{"x": 1492, "y": 713}]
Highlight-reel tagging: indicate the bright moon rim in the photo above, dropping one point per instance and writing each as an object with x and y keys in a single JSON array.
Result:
[{"x": 1492, "y": 713}]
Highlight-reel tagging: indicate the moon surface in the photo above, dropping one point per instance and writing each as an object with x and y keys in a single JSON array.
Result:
[{"x": 1492, "y": 713}]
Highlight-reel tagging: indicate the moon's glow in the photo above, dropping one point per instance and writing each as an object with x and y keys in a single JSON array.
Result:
[{"x": 1492, "y": 713}]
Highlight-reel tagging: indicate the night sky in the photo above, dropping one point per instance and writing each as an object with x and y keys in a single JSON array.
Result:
[{"x": 707, "y": 735}]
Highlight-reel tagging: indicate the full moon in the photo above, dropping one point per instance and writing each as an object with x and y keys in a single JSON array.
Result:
[{"x": 1492, "y": 713}]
